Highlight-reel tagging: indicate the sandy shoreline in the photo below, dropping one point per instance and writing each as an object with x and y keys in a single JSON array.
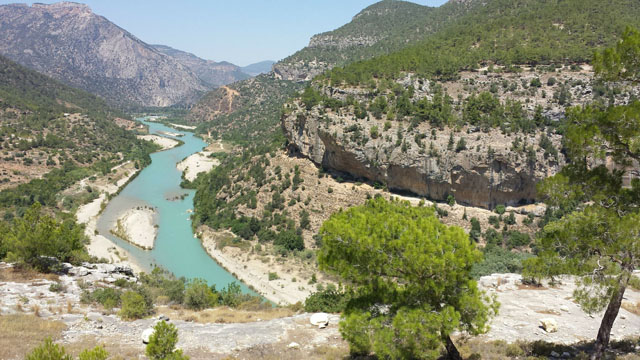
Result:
[
  {"x": 178, "y": 126},
  {"x": 137, "y": 226},
  {"x": 289, "y": 288},
  {"x": 196, "y": 164},
  {"x": 164, "y": 142},
  {"x": 99, "y": 246}
]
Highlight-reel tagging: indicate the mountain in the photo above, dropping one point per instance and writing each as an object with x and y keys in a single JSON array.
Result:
[
  {"x": 50, "y": 134},
  {"x": 381, "y": 28},
  {"x": 258, "y": 68},
  {"x": 474, "y": 111},
  {"x": 214, "y": 74},
  {"x": 68, "y": 42}
]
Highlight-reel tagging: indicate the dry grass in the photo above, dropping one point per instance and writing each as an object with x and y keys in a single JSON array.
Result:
[
  {"x": 21, "y": 333},
  {"x": 632, "y": 308},
  {"x": 23, "y": 275},
  {"x": 114, "y": 347},
  {"x": 224, "y": 314}
]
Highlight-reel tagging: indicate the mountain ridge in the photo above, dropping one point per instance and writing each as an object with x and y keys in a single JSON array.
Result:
[{"x": 71, "y": 43}]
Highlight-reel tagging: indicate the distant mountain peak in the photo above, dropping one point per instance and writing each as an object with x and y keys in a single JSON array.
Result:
[{"x": 70, "y": 43}]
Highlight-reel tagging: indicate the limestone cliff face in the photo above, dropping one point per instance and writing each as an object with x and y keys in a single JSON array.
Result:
[
  {"x": 69, "y": 42},
  {"x": 485, "y": 174}
]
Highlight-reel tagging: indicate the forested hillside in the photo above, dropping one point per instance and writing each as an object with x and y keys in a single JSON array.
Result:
[
  {"x": 505, "y": 32},
  {"x": 52, "y": 135},
  {"x": 379, "y": 29}
]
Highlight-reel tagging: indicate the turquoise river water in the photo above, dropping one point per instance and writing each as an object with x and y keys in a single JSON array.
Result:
[{"x": 176, "y": 248}]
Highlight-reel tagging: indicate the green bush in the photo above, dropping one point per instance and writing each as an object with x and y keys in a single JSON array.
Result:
[
  {"x": 134, "y": 306},
  {"x": 41, "y": 241},
  {"x": 163, "y": 342},
  {"x": 500, "y": 209},
  {"x": 329, "y": 300},
  {"x": 107, "y": 297},
  {"x": 498, "y": 260},
  {"x": 97, "y": 353},
  {"x": 50, "y": 351},
  {"x": 198, "y": 295}
]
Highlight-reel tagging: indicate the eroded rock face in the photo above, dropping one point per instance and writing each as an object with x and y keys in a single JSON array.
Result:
[
  {"x": 68, "y": 42},
  {"x": 485, "y": 174}
]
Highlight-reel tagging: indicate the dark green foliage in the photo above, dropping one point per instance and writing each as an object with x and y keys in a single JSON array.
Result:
[
  {"x": 427, "y": 294},
  {"x": 162, "y": 343},
  {"x": 107, "y": 297},
  {"x": 595, "y": 217},
  {"x": 134, "y": 305},
  {"x": 290, "y": 240},
  {"x": 500, "y": 209},
  {"x": 498, "y": 260},
  {"x": 327, "y": 300},
  {"x": 476, "y": 231},
  {"x": 199, "y": 296},
  {"x": 233, "y": 296},
  {"x": 36, "y": 237},
  {"x": 478, "y": 34},
  {"x": 162, "y": 283}
]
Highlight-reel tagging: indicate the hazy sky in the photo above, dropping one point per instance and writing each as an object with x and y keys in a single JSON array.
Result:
[{"x": 239, "y": 31}]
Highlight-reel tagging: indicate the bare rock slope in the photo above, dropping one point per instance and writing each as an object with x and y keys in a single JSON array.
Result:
[{"x": 67, "y": 41}]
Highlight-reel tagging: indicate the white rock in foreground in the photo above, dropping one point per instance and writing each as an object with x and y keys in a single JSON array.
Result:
[
  {"x": 146, "y": 335},
  {"x": 549, "y": 325},
  {"x": 319, "y": 319}
]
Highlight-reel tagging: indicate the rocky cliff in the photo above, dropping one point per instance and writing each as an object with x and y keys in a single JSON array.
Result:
[
  {"x": 485, "y": 174},
  {"x": 67, "y": 41},
  {"x": 213, "y": 73}
]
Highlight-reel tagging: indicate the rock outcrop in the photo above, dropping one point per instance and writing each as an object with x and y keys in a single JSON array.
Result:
[
  {"x": 68, "y": 42},
  {"x": 477, "y": 176}
]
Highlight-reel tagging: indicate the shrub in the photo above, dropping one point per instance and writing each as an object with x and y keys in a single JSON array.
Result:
[
  {"x": 48, "y": 351},
  {"x": 329, "y": 300},
  {"x": 290, "y": 240},
  {"x": 500, "y": 209},
  {"x": 162, "y": 343},
  {"x": 451, "y": 200},
  {"x": 107, "y": 297},
  {"x": 134, "y": 306},
  {"x": 476, "y": 230},
  {"x": 374, "y": 132},
  {"x": 198, "y": 295},
  {"x": 495, "y": 221},
  {"x": 97, "y": 353},
  {"x": 498, "y": 260}
]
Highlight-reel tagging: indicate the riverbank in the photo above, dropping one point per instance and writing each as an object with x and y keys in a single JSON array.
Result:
[
  {"x": 99, "y": 246},
  {"x": 138, "y": 227},
  {"x": 201, "y": 161},
  {"x": 162, "y": 141},
  {"x": 279, "y": 282}
]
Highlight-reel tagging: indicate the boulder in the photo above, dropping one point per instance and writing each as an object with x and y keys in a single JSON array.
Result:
[
  {"x": 293, "y": 345},
  {"x": 320, "y": 319},
  {"x": 146, "y": 335},
  {"x": 549, "y": 325}
]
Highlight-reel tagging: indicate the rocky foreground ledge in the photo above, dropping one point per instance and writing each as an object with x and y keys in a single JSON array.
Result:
[{"x": 521, "y": 312}]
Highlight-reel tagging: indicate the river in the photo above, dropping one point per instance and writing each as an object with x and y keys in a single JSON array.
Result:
[{"x": 176, "y": 248}]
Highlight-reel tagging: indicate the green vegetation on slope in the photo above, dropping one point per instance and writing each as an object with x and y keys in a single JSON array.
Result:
[
  {"x": 35, "y": 132},
  {"x": 506, "y": 32},
  {"x": 381, "y": 28},
  {"x": 255, "y": 117}
]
